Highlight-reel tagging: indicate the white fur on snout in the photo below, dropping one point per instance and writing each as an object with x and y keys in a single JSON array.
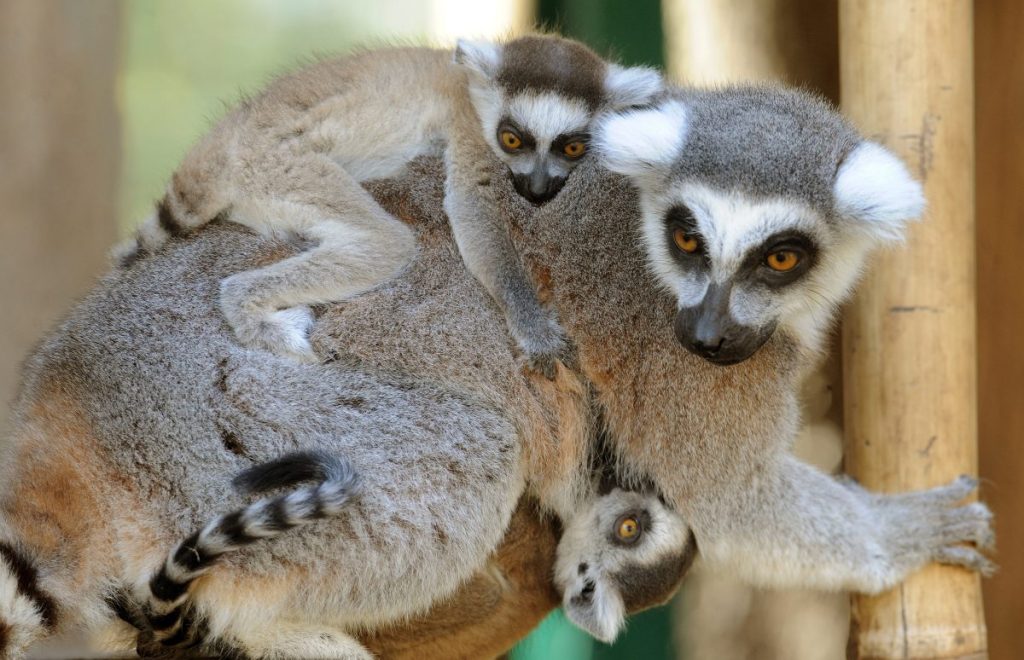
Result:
[
  {"x": 603, "y": 617},
  {"x": 731, "y": 225}
]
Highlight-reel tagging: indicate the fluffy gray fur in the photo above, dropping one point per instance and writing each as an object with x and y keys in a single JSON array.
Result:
[{"x": 143, "y": 406}]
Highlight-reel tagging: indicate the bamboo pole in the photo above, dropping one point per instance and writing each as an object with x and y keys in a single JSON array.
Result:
[
  {"x": 909, "y": 337},
  {"x": 792, "y": 41}
]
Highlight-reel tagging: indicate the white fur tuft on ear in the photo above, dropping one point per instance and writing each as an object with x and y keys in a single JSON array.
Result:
[
  {"x": 644, "y": 142},
  {"x": 635, "y": 85},
  {"x": 874, "y": 187},
  {"x": 483, "y": 57}
]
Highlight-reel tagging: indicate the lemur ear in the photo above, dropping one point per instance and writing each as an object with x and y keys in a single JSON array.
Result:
[
  {"x": 628, "y": 86},
  {"x": 874, "y": 187},
  {"x": 644, "y": 142},
  {"x": 482, "y": 57}
]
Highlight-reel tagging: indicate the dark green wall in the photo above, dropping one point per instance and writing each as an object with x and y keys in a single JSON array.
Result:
[{"x": 626, "y": 30}]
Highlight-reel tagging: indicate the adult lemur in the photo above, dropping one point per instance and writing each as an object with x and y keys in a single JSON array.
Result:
[
  {"x": 137, "y": 411},
  {"x": 291, "y": 160}
]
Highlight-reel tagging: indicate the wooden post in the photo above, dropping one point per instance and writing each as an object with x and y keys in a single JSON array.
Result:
[
  {"x": 909, "y": 337},
  {"x": 792, "y": 41}
]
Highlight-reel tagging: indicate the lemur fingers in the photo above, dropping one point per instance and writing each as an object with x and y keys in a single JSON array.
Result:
[{"x": 967, "y": 557}]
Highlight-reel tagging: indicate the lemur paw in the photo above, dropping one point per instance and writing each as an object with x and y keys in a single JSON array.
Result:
[
  {"x": 281, "y": 331},
  {"x": 931, "y": 524},
  {"x": 544, "y": 348}
]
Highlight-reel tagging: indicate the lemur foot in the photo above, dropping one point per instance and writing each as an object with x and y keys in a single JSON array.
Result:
[
  {"x": 929, "y": 526},
  {"x": 300, "y": 641},
  {"x": 544, "y": 347},
  {"x": 281, "y": 331}
]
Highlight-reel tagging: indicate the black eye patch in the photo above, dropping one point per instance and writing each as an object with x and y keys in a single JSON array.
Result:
[
  {"x": 680, "y": 223},
  {"x": 506, "y": 124},
  {"x": 558, "y": 144},
  {"x": 778, "y": 250}
]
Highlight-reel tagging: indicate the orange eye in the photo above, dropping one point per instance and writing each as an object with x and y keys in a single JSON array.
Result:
[
  {"x": 686, "y": 242},
  {"x": 783, "y": 261},
  {"x": 627, "y": 528},
  {"x": 510, "y": 140},
  {"x": 574, "y": 149}
]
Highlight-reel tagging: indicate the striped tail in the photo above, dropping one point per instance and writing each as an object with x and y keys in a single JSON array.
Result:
[
  {"x": 168, "y": 611},
  {"x": 27, "y": 613}
]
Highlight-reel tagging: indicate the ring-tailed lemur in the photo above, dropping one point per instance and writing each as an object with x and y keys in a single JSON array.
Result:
[
  {"x": 121, "y": 446},
  {"x": 291, "y": 160},
  {"x": 624, "y": 552},
  {"x": 759, "y": 207}
]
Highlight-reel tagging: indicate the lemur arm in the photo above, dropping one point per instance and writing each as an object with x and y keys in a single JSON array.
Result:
[
  {"x": 796, "y": 526},
  {"x": 481, "y": 232}
]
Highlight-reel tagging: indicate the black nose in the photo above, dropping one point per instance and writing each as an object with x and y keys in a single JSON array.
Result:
[
  {"x": 538, "y": 190},
  {"x": 707, "y": 347}
]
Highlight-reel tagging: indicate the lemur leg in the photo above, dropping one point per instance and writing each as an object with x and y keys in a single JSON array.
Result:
[
  {"x": 358, "y": 245},
  {"x": 481, "y": 232},
  {"x": 801, "y": 527}
]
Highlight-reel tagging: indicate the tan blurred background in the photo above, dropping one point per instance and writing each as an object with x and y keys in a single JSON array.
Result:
[{"x": 99, "y": 99}]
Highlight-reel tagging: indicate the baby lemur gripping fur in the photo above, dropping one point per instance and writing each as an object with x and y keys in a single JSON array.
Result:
[{"x": 291, "y": 160}]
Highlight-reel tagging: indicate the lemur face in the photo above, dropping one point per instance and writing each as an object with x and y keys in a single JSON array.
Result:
[
  {"x": 740, "y": 266},
  {"x": 537, "y": 97},
  {"x": 540, "y": 137},
  {"x": 759, "y": 207},
  {"x": 624, "y": 553}
]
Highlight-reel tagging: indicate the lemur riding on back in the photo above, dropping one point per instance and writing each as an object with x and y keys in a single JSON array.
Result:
[{"x": 291, "y": 160}]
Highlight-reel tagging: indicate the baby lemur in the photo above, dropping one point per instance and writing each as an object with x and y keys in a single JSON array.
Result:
[
  {"x": 622, "y": 552},
  {"x": 291, "y": 160}
]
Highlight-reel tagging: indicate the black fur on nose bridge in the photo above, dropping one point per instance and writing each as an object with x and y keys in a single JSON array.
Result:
[{"x": 709, "y": 330}]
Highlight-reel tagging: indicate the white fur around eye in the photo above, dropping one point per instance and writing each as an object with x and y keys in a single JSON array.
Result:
[
  {"x": 642, "y": 143},
  {"x": 874, "y": 187},
  {"x": 546, "y": 115},
  {"x": 635, "y": 85}
]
